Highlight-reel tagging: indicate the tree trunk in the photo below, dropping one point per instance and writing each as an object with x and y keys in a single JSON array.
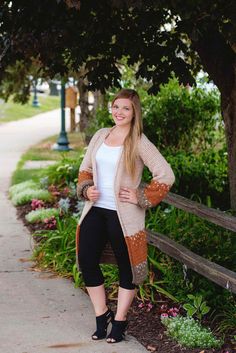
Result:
[
  {"x": 228, "y": 106},
  {"x": 99, "y": 100},
  {"x": 83, "y": 102},
  {"x": 218, "y": 59}
]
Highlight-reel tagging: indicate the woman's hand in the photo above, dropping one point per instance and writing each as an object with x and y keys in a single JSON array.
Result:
[
  {"x": 128, "y": 195},
  {"x": 93, "y": 193}
]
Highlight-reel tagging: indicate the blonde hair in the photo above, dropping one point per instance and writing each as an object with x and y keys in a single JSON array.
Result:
[{"x": 136, "y": 129}]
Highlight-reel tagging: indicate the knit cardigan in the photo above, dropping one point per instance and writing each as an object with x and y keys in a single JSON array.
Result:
[{"x": 131, "y": 216}]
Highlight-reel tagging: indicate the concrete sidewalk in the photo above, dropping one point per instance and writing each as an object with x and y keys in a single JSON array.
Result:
[{"x": 38, "y": 312}]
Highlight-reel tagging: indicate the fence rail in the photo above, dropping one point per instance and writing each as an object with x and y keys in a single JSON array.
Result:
[
  {"x": 216, "y": 273},
  {"x": 214, "y": 216}
]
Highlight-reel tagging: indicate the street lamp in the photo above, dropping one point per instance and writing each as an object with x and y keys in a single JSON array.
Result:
[
  {"x": 35, "y": 102},
  {"x": 62, "y": 142}
]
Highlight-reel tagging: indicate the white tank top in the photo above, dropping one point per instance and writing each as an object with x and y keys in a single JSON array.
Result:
[{"x": 106, "y": 161}]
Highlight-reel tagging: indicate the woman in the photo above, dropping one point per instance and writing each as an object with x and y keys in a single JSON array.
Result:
[{"x": 110, "y": 183}]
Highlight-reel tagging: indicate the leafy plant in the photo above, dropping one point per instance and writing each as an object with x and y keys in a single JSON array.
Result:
[
  {"x": 41, "y": 214},
  {"x": 44, "y": 182},
  {"x": 56, "y": 250},
  {"x": 198, "y": 307},
  {"x": 190, "y": 333},
  {"x": 50, "y": 223},
  {"x": 201, "y": 237},
  {"x": 77, "y": 276},
  {"x": 151, "y": 285},
  {"x": 64, "y": 205},
  {"x": 17, "y": 188},
  {"x": 36, "y": 204},
  {"x": 192, "y": 114},
  {"x": 64, "y": 172},
  {"x": 27, "y": 195},
  {"x": 201, "y": 175},
  {"x": 206, "y": 239},
  {"x": 226, "y": 320}
]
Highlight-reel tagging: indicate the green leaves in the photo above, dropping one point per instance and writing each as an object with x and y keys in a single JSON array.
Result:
[
  {"x": 41, "y": 214},
  {"x": 57, "y": 249},
  {"x": 190, "y": 309},
  {"x": 198, "y": 306},
  {"x": 23, "y": 193},
  {"x": 180, "y": 117},
  {"x": 190, "y": 333}
]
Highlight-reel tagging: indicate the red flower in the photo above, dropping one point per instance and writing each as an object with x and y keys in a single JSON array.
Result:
[
  {"x": 50, "y": 223},
  {"x": 35, "y": 204}
]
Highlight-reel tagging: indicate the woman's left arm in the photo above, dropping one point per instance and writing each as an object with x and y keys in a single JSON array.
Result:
[{"x": 151, "y": 194}]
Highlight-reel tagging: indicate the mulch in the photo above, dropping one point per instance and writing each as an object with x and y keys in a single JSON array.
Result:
[
  {"x": 148, "y": 329},
  {"x": 144, "y": 323}
]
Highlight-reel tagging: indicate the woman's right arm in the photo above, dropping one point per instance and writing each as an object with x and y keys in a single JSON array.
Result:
[{"x": 85, "y": 176}]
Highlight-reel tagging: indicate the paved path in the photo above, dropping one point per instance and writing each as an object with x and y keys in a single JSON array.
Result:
[{"x": 38, "y": 313}]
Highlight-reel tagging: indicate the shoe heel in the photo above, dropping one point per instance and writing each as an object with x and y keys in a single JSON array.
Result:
[{"x": 102, "y": 322}]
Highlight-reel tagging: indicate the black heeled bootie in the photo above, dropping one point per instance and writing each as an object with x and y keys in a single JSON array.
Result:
[
  {"x": 102, "y": 322},
  {"x": 117, "y": 333}
]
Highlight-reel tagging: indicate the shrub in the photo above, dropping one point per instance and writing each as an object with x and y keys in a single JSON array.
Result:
[
  {"x": 28, "y": 184},
  {"x": 56, "y": 250},
  {"x": 178, "y": 116},
  {"x": 201, "y": 237},
  {"x": 206, "y": 239},
  {"x": 64, "y": 172},
  {"x": 203, "y": 175},
  {"x": 28, "y": 195},
  {"x": 64, "y": 205},
  {"x": 190, "y": 333},
  {"x": 41, "y": 214}
]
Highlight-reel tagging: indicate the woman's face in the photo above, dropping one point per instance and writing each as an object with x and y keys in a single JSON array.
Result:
[{"x": 122, "y": 111}]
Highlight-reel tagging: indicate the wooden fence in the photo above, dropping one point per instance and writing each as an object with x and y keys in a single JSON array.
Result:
[{"x": 215, "y": 273}]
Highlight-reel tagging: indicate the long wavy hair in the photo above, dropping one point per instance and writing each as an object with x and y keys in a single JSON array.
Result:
[{"x": 136, "y": 129}]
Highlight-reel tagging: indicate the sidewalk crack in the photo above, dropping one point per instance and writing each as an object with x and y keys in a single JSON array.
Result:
[{"x": 7, "y": 271}]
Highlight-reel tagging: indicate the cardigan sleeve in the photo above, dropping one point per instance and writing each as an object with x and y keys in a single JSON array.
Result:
[
  {"x": 151, "y": 194},
  {"x": 85, "y": 176}
]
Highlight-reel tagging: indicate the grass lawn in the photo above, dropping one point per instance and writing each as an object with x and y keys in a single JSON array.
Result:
[
  {"x": 11, "y": 111},
  {"x": 43, "y": 151}
]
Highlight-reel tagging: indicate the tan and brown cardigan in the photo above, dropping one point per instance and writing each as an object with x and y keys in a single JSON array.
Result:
[{"x": 131, "y": 216}]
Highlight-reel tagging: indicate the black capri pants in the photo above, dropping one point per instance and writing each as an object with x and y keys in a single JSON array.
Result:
[{"x": 98, "y": 227}]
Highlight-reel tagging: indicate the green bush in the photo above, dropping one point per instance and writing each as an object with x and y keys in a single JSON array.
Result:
[
  {"x": 203, "y": 238},
  {"x": 64, "y": 172},
  {"x": 101, "y": 119},
  {"x": 190, "y": 333},
  {"x": 41, "y": 214},
  {"x": 202, "y": 176},
  {"x": 56, "y": 249},
  {"x": 28, "y": 195},
  {"x": 17, "y": 188},
  {"x": 180, "y": 117}
]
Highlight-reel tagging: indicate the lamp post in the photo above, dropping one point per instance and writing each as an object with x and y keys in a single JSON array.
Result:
[
  {"x": 35, "y": 102},
  {"x": 62, "y": 142}
]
